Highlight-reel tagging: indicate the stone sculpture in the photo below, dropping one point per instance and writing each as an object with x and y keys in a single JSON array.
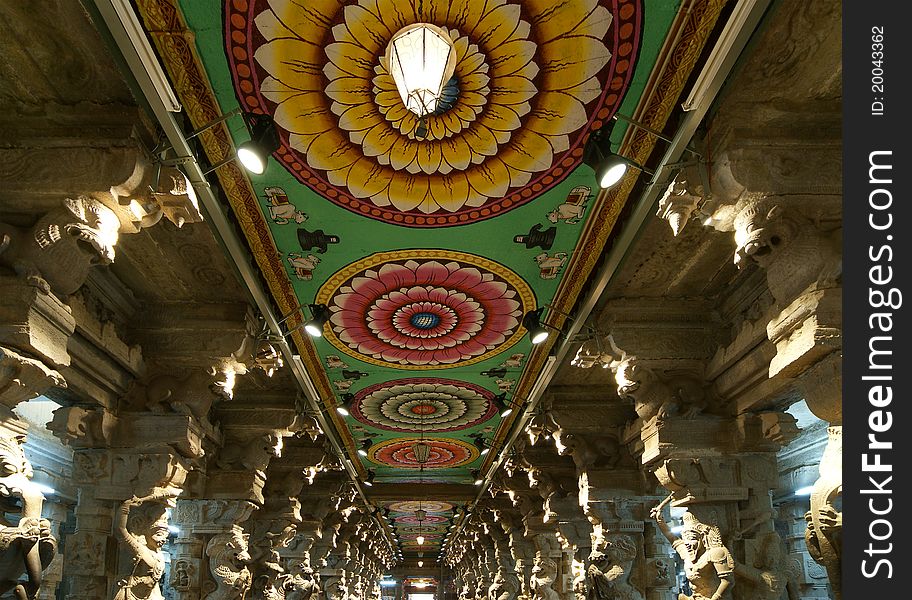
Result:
[
  {"x": 58, "y": 251},
  {"x": 544, "y": 574},
  {"x": 611, "y": 563},
  {"x": 150, "y": 532},
  {"x": 768, "y": 576},
  {"x": 29, "y": 547},
  {"x": 228, "y": 558},
  {"x": 708, "y": 564}
]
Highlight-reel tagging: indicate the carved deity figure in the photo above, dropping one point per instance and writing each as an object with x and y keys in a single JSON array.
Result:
[
  {"x": 769, "y": 575},
  {"x": 823, "y": 537},
  {"x": 708, "y": 564},
  {"x": 504, "y": 587},
  {"x": 29, "y": 547},
  {"x": 145, "y": 542},
  {"x": 544, "y": 574},
  {"x": 611, "y": 562},
  {"x": 228, "y": 559}
]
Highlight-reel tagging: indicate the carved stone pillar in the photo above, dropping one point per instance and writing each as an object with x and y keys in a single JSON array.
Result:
[
  {"x": 134, "y": 455},
  {"x": 722, "y": 471},
  {"x": 34, "y": 329},
  {"x": 211, "y": 557},
  {"x": 85, "y": 563}
]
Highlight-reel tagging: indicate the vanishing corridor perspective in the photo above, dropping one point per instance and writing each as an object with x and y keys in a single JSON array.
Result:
[{"x": 420, "y": 299}]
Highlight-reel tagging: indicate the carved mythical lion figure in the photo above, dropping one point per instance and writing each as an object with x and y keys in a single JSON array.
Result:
[
  {"x": 58, "y": 251},
  {"x": 544, "y": 574},
  {"x": 793, "y": 250},
  {"x": 228, "y": 560}
]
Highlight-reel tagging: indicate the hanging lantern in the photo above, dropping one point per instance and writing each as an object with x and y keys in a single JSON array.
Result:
[
  {"x": 422, "y": 452},
  {"x": 421, "y": 59},
  {"x": 420, "y": 514}
]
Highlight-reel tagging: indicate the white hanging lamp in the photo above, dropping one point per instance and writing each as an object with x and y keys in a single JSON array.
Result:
[{"x": 421, "y": 58}]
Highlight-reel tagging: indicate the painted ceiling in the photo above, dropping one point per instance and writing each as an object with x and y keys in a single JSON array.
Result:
[{"x": 426, "y": 252}]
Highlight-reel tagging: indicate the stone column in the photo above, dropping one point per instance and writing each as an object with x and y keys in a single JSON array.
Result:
[
  {"x": 116, "y": 458},
  {"x": 34, "y": 329},
  {"x": 85, "y": 564},
  {"x": 211, "y": 556}
]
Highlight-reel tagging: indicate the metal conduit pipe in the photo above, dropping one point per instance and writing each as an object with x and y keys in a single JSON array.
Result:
[
  {"x": 738, "y": 30},
  {"x": 120, "y": 21}
]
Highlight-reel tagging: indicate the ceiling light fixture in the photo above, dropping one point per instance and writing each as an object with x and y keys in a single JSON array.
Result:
[
  {"x": 421, "y": 59},
  {"x": 479, "y": 443},
  {"x": 343, "y": 408},
  {"x": 365, "y": 446},
  {"x": 264, "y": 140},
  {"x": 504, "y": 407},
  {"x": 532, "y": 322},
  {"x": 422, "y": 452},
  {"x": 369, "y": 480},
  {"x": 314, "y": 327},
  {"x": 476, "y": 475},
  {"x": 610, "y": 167}
]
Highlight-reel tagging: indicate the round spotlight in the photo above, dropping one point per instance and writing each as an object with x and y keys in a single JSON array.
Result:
[
  {"x": 342, "y": 411},
  {"x": 365, "y": 446},
  {"x": 250, "y": 157},
  {"x": 611, "y": 171},
  {"x": 539, "y": 335},
  {"x": 319, "y": 317},
  {"x": 476, "y": 474},
  {"x": 532, "y": 322},
  {"x": 264, "y": 140}
]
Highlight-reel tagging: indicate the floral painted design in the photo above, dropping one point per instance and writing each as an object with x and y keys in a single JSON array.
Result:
[
  {"x": 425, "y": 312},
  {"x": 534, "y": 79},
  {"x": 444, "y": 453},
  {"x": 428, "y": 520},
  {"x": 410, "y": 506},
  {"x": 425, "y": 404}
]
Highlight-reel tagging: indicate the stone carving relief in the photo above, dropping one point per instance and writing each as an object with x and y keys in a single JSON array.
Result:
[
  {"x": 504, "y": 587},
  {"x": 824, "y": 521},
  {"x": 28, "y": 548},
  {"x": 796, "y": 254},
  {"x": 657, "y": 396},
  {"x": 708, "y": 563},
  {"x": 57, "y": 252},
  {"x": 182, "y": 576},
  {"x": 770, "y": 576},
  {"x": 253, "y": 454},
  {"x": 144, "y": 533},
  {"x": 541, "y": 426},
  {"x": 681, "y": 198},
  {"x": 228, "y": 559},
  {"x": 610, "y": 565},
  {"x": 544, "y": 576},
  {"x": 23, "y": 378},
  {"x": 153, "y": 193}
]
